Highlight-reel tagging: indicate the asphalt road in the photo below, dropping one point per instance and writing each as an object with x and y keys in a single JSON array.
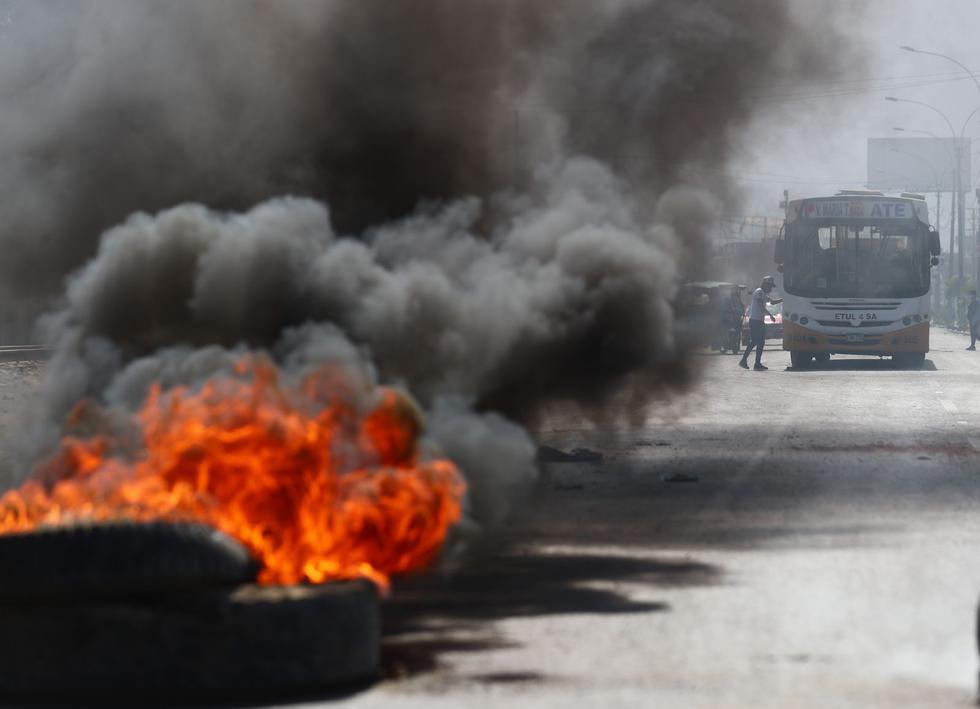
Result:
[{"x": 826, "y": 554}]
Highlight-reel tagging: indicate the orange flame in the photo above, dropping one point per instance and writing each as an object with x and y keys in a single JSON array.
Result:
[{"x": 313, "y": 488}]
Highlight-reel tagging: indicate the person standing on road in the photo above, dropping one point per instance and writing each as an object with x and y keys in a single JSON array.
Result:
[
  {"x": 757, "y": 323},
  {"x": 973, "y": 316}
]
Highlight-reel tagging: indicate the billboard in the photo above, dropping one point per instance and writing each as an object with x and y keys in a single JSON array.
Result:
[{"x": 918, "y": 164}]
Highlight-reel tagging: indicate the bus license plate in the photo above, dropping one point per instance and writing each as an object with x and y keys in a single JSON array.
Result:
[{"x": 855, "y": 338}]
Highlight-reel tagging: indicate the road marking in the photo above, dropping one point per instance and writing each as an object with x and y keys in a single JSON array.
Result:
[{"x": 950, "y": 407}]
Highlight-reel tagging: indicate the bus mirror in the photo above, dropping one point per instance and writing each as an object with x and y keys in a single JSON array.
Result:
[
  {"x": 935, "y": 260},
  {"x": 935, "y": 248},
  {"x": 778, "y": 248}
]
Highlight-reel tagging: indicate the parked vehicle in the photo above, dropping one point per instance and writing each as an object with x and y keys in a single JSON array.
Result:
[{"x": 705, "y": 316}]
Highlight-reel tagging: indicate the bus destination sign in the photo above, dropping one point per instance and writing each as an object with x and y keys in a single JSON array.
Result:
[{"x": 863, "y": 209}]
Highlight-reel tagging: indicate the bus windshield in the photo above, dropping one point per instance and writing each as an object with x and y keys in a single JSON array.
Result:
[{"x": 857, "y": 260}]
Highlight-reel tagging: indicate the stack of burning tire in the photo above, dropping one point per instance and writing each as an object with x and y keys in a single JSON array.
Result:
[
  {"x": 116, "y": 580},
  {"x": 140, "y": 611}
]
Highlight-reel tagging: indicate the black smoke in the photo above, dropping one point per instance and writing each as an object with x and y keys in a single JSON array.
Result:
[
  {"x": 113, "y": 107},
  {"x": 489, "y": 202}
]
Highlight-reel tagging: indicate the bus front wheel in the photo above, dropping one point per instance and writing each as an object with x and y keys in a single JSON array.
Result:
[
  {"x": 910, "y": 360},
  {"x": 800, "y": 360}
]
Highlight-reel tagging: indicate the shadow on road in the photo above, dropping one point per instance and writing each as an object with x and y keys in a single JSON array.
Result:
[
  {"x": 726, "y": 504},
  {"x": 862, "y": 365},
  {"x": 719, "y": 530},
  {"x": 429, "y": 616},
  {"x": 520, "y": 584}
]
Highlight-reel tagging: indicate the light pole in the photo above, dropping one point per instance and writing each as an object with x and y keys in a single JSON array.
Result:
[
  {"x": 943, "y": 56},
  {"x": 957, "y": 177},
  {"x": 960, "y": 196}
]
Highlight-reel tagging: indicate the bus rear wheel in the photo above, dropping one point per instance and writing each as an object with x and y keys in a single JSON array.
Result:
[{"x": 800, "y": 360}]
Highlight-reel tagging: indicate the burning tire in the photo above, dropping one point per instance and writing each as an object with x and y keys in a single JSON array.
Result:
[
  {"x": 119, "y": 559},
  {"x": 142, "y": 612},
  {"x": 247, "y": 643}
]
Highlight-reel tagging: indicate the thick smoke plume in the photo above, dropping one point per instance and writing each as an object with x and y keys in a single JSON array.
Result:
[{"x": 488, "y": 202}]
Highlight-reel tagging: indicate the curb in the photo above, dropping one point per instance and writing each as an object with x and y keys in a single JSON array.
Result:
[{"x": 24, "y": 353}]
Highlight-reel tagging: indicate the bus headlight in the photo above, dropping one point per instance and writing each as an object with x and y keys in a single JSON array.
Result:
[
  {"x": 794, "y": 317},
  {"x": 907, "y": 320},
  {"x": 804, "y": 320}
]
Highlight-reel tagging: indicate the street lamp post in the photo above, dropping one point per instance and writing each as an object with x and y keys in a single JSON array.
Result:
[
  {"x": 957, "y": 176},
  {"x": 949, "y": 59},
  {"x": 961, "y": 196},
  {"x": 961, "y": 211}
]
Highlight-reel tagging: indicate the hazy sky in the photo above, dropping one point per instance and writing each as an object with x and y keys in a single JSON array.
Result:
[{"x": 814, "y": 138}]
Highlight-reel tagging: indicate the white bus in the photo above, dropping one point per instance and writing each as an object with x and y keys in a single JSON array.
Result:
[{"x": 856, "y": 272}]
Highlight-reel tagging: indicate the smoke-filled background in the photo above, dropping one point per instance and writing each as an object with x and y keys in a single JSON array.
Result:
[{"x": 489, "y": 202}]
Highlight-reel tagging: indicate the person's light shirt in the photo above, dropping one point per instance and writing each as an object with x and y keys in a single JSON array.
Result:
[{"x": 757, "y": 311}]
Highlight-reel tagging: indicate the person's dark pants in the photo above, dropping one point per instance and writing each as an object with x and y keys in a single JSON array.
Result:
[
  {"x": 973, "y": 334},
  {"x": 757, "y": 339}
]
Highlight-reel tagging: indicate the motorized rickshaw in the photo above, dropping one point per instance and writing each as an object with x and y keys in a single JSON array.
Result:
[{"x": 709, "y": 314}]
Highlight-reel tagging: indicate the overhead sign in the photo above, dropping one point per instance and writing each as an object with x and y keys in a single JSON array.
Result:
[
  {"x": 858, "y": 209},
  {"x": 919, "y": 164}
]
